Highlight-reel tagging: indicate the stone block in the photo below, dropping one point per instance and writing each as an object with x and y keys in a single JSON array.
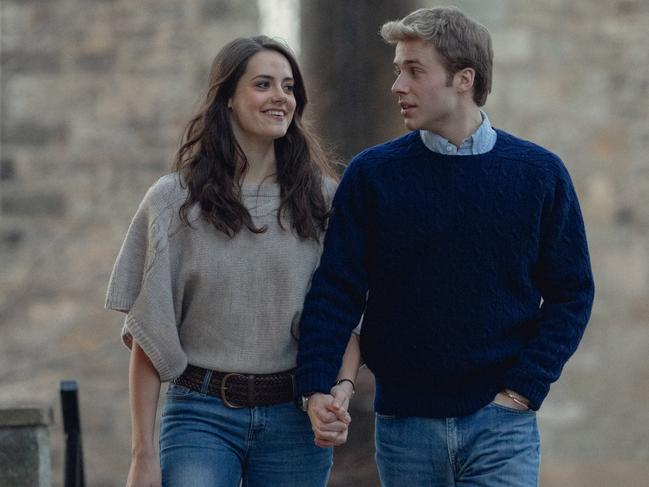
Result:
[
  {"x": 33, "y": 97},
  {"x": 99, "y": 62},
  {"x": 19, "y": 61},
  {"x": 227, "y": 10},
  {"x": 11, "y": 238},
  {"x": 25, "y": 416},
  {"x": 33, "y": 133},
  {"x": 24, "y": 446},
  {"x": 39, "y": 204},
  {"x": 7, "y": 169},
  {"x": 513, "y": 45}
]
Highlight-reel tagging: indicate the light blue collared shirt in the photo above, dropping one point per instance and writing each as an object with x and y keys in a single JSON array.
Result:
[{"x": 480, "y": 142}]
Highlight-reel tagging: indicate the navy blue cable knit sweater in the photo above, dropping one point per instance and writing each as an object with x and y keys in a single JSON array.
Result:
[{"x": 473, "y": 274}]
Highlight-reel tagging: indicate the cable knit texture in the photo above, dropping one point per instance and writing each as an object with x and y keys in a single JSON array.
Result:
[
  {"x": 477, "y": 269},
  {"x": 194, "y": 295}
]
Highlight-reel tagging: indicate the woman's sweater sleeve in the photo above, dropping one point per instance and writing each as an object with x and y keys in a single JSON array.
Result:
[{"x": 141, "y": 286}]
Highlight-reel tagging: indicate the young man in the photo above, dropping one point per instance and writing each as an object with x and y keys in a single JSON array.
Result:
[{"x": 465, "y": 249}]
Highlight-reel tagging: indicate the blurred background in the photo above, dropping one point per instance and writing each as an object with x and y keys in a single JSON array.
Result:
[{"x": 95, "y": 94}]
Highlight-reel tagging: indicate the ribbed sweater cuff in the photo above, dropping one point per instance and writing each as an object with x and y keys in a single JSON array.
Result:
[
  {"x": 312, "y": 381},
  {"x": 528, "y": 386},
  {"x": 167, "y": 370},
  {"x": 402, "y": 399},
  {"x": 118, "y": 303}
]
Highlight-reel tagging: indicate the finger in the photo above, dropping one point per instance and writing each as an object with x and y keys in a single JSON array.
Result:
[
  {"x": 324, "y": 443},
  {"x": 338, "y": 440},
  {"x": 319, "y": 401},
  {"x": 324, "y": 424},
  {"x": 326, "y": 416},
  {"x": 338, "y": 395},
  {"x": 335, "y": 416},
  {"x": 336, "y": 403},
  {"x": 337, "y": 426},
  {"x": 328, "y": 435},
  {"x": 342, "y": 415},
  {"x": 336, "y": 408}
]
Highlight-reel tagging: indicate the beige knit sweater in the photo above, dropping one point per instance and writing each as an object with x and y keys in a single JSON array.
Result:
[{"x": 193, "y": 295}]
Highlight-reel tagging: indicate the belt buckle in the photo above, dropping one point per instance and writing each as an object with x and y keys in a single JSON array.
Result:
[{"x": 224, "y": 388}]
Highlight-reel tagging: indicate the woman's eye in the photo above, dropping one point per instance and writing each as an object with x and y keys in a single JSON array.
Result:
[
  {"x": 289, "y": 88},
  {"x": 263, "y": 84}
]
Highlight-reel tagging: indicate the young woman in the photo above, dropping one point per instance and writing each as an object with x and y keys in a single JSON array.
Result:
[{"x": 212, "y": 275}]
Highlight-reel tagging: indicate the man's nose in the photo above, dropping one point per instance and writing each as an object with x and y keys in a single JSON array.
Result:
[{"x": 399, "y": 87}]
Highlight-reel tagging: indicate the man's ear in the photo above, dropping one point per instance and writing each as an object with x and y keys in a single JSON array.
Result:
[{"x": 463, "y": 80}]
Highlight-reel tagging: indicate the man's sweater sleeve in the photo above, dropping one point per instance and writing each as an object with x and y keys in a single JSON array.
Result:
[
  {"x": 336, "y": 300},
  {"x": 563, "y": 275}
]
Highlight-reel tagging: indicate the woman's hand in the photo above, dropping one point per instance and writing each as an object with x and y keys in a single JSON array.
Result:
[
  {"x": 144, "y": 472},
  {"x": 342, "y": 394}
]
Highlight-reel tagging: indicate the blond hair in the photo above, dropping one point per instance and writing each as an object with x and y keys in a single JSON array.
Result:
[{"x": 461, "y": 41}]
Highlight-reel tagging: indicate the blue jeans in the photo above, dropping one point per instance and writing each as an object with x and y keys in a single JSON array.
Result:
[
  {"x": 493, "y": 447},
  {"x": 204, "y": 443}
]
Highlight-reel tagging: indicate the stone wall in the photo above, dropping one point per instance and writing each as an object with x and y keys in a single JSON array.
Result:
[
  {"x": 574, "y": 77},
  {"x": 94, "y": 96}
]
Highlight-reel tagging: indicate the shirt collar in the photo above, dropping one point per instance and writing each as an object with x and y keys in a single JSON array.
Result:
[{"x": 480, "y": 142}]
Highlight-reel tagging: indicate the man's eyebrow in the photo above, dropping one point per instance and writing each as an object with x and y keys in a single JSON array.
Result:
[{"x": 407, "y": 62}]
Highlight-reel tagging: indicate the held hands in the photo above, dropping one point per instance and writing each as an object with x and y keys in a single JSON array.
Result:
[{"x": 329, "y": 417}]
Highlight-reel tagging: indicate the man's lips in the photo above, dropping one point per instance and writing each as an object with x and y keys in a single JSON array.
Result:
[{"x": 406, "y": 107}]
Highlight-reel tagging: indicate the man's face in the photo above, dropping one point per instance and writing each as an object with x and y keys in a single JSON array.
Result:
[{"x": 428, "y": 99}]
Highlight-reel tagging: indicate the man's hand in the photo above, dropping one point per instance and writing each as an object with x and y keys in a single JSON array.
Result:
[
  {"x": 329, "y": 419},
  {"x": 512, "y": 399}
]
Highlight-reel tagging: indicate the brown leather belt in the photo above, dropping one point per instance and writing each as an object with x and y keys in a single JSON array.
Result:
[{"x": 240, "y": 390}]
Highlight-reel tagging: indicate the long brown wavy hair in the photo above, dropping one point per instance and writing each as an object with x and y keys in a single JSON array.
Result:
[{"x": 212, "y": 163}]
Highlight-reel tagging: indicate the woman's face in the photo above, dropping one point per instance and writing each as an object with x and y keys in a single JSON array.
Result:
[{"x": 263, "y": 102}]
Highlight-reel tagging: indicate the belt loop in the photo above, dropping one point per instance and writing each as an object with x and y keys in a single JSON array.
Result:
[{"x": 207, "y": 378}]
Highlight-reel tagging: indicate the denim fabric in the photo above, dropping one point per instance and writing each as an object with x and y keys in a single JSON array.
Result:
[
  {"x": 204, "y": 443},
  {"x": 494, "y": 447}
]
